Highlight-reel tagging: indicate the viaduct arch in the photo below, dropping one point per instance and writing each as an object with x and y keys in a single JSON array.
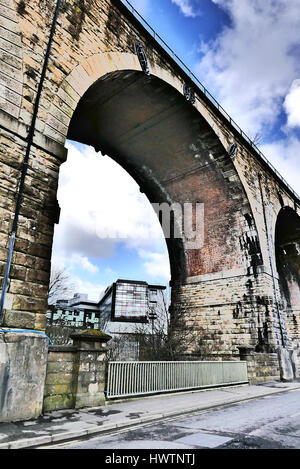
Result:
[{"x": 98, "y": 92}]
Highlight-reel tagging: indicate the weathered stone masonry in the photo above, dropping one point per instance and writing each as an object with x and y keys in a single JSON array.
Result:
[
  {"x": 75, "y": 376},
  {"x": 96, "y": 92}
]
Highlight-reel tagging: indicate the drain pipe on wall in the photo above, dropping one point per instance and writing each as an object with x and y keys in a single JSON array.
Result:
[{"x": 25, "y": 161}]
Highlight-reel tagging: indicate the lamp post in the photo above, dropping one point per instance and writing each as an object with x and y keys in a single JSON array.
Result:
[{"x": 152, "y": 316}]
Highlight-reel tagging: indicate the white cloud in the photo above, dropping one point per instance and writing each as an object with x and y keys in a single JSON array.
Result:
[
  {"x": 93, "y": 290},
  {"x": 186, "y": 7},
  {"x": 285, "y": 156},
  {"x": 292, "y": 105},
  {"x": 101, "y": 204},
  {"x": 156, "y": 264},
  {"x": 77, "y": 284},
  {"x": 61, "y": 261},
  {"x": 251, "y": 64},
  {"x": 84, "y": 263},
  {"x": 250, "y": 67}
]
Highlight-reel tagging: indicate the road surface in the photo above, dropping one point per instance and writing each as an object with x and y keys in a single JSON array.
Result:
[{"x": 271, "y": 422}]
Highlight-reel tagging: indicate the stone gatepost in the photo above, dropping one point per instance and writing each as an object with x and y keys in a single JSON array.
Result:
[
  {"x": 23, "y": 359},
  {"x": 90, "y": 367}
]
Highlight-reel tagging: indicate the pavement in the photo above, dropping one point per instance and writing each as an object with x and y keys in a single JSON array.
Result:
[{"x": 66, "y": 425}]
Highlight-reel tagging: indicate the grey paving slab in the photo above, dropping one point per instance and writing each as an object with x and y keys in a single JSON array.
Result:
[{"x": 205, "y": 440}]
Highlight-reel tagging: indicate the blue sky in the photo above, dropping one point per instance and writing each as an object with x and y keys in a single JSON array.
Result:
[
  {"x": 202, "y": 21},
  {"x": 247, "y": 54},
  {"x": 184, "y": 28}
]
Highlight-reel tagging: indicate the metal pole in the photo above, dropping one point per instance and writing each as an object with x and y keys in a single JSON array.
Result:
[{"x": 25, "y": 161}]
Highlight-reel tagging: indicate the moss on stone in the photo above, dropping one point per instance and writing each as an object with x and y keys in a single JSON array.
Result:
[{"x": 92, "y": 333}]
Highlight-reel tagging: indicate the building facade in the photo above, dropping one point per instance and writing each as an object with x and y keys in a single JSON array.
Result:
[
  {"x": 77, "y": 311},
  {"x": 129, "y": 309},
  {"x": 127, "y": 303},
  {"x": 123, "y": 307}
]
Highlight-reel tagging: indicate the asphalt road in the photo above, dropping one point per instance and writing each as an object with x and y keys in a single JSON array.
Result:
[{"x": 271, "y": 422}]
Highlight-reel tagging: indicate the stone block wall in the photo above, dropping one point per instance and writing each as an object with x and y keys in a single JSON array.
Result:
[
  {"x": 230, "y": 311},
  {"x": 92, "y": 40},
  {"x": 75, "y": 375},
  {"x": 23, "y": 359},
  {"x": 60, "y": 384},
  {"x": 279, "y": 366},
  {"x": 261, "y": 367},
  {"x": 26, "y": 300}
]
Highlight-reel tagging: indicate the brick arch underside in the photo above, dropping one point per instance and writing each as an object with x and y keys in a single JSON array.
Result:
[
  {"x": 287, "y": 246},
  {"x": 153, "y": 132},
  {"x": 287, "y": 249}
]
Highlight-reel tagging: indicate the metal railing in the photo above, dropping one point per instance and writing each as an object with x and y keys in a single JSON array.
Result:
[
  {"x": 198, "y": 83},
  {"x": 127, "y": 379}
]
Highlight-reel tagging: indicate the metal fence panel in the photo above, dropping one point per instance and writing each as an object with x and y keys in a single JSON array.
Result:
[{"x": 138, "y": 378}]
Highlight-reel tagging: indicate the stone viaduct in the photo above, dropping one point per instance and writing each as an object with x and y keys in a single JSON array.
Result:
[{"x": 110, "y": 84}]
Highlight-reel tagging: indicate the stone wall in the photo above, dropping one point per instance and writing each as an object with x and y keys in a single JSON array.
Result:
[
  {"x": 75, "y": 375},
  {"x": 262, "y": 367},
  {"x": 282, "y": 365},
  {"x": 60, "y": 384},
  {"x": 227, "y": 290},
  {"x": 230, "y": 311},
  {"x": 23, "y": 359}
]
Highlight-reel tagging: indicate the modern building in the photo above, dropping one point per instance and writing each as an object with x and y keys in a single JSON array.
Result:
[
  {"x": 127, "y": 303},
  {"x": 77, "y": 311},
  {"x": 128, "y": 309},
  {"x": 124, "y": 306}
]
